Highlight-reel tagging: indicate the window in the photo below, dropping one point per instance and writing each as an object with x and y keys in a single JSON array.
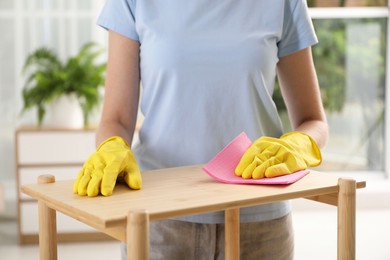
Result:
[{"x": 351, "y": 63}]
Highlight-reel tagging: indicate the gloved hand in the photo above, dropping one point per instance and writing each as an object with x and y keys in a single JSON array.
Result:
[
  {"x": 271, "y": 157},
  {"x": 112, "y": 161}
]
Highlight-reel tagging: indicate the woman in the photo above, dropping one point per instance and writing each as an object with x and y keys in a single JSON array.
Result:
[{"x": 207, "y": 70}]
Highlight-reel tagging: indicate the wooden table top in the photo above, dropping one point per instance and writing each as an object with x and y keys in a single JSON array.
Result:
[{"x": 174, "y": 192}]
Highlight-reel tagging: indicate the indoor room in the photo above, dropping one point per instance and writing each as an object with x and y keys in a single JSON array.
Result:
[{"x": 53, "y": 71}]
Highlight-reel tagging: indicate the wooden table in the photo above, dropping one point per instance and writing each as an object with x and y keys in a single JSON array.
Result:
[{"x": 175, "y": 192}]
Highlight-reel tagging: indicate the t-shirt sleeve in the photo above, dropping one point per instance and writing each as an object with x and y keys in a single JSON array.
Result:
[
  {"x": 298, "y": 31},
  {"x": 119, "y": 16}
]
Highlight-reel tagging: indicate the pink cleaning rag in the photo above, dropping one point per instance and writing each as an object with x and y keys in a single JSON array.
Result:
[{"x": 222, "y": 166}]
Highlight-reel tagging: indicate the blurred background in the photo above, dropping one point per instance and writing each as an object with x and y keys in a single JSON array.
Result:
[{"x": 352, "y": 65}]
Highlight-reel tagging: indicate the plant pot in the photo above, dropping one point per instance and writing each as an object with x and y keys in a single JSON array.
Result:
[{"x": 65, "y": 112}]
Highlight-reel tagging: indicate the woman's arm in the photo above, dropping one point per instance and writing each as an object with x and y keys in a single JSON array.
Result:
[
  {"x": 122, "y": 89},
  {"x": 301, "y": 93}
]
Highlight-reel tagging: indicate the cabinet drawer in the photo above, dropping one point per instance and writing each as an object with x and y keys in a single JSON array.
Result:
[
  {"x": 30, "y": 175},
  {"x": 55, "y": 147},
  {"x": 29, "y": 221}
]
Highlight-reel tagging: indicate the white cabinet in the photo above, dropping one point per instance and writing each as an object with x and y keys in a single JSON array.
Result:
[{"x": 59, "y": 152}]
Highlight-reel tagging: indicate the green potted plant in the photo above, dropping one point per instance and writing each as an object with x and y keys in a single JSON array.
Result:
[{"x": 49, "y": 79}]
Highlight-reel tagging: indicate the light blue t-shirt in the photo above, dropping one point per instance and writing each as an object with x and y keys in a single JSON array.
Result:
[{"x": 207, "y": 72}]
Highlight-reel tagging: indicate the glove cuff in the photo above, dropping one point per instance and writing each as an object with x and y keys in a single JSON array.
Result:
[
  {"x": 113, "y": 138},
  {"x": 312, "y": 153}
]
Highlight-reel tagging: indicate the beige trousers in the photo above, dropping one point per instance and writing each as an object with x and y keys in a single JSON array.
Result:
[{"x": 179, "y": 240}]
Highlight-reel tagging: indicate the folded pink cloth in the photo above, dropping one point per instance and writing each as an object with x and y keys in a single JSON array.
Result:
[{"x": 222, "y": 166}]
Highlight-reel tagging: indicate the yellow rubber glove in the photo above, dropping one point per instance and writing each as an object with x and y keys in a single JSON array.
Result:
[
  {"x": 271, "y": 157},
  {"x": 112, "y": 161}
]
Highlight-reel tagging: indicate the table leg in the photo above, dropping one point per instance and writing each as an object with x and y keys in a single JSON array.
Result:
[
  {"x": 47, "y": 226},
  {"x": 346, "y": 212},
  {"x": 138, "y": 235},
  {"x": 232, "y": 234}
]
